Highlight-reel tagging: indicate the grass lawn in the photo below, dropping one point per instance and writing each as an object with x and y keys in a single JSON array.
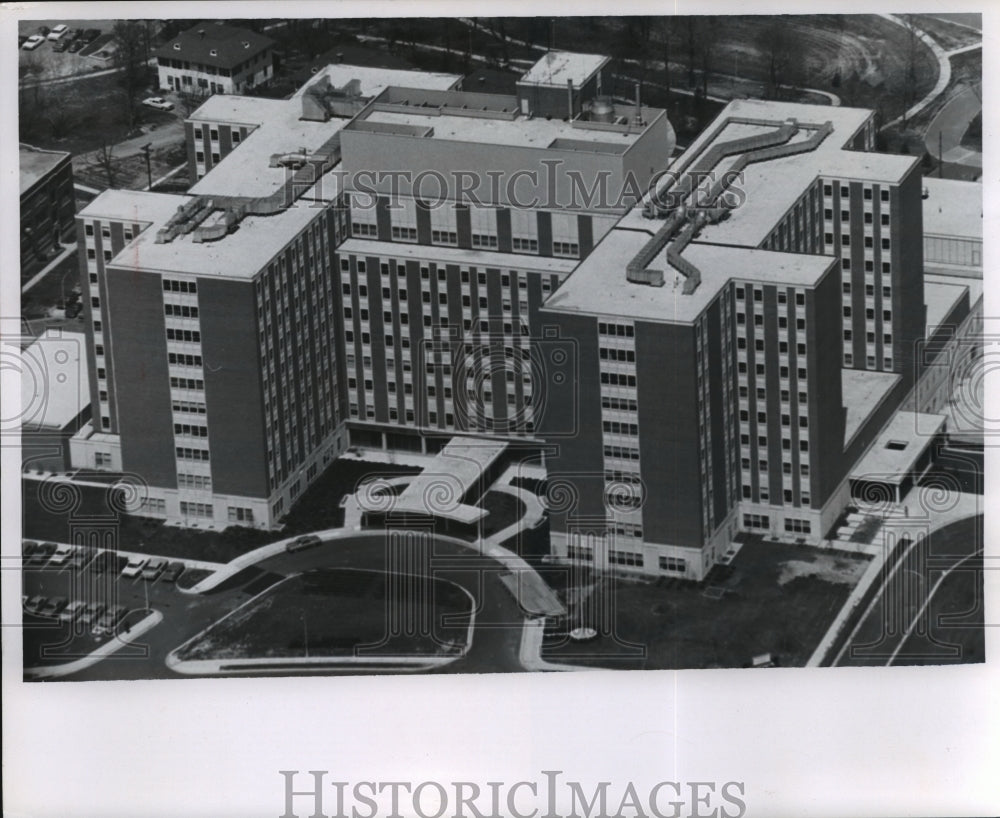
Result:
[
  {"x": 779, "y": 598},
  {"x": 338, "y": 612},
  {"x": 318, "y": 509}
]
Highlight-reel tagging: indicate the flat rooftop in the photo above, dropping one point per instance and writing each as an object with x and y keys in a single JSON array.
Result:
[
  {"x": 941, "y": 294},
  {"x": 139, "y": 206},
  {"x": 375, "y": 80},
  {"x": 55, "y": 385},
  {"x": 953, "y": 208},
  {"x": 772, "y": 187},
  {"x": 598, "y": 285},
  {"x": 533, "y": 132},
  {"x": 559, "y": 67},
  {"x": 480, "y": 259},
  {"x": 239, "y": 110},
  {"x": 862, "y": 391},
  {"x": 440, "y": 488},
  {"x": 35, "y": 163},
  {"x": 240, "y": 254},
  {"x": 846, "y": 121},
  {"x": 893, "y": 454},
  {"x": 246, "y": 170}
]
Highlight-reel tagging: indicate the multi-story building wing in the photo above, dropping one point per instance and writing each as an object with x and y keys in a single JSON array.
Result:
[
  {"x": 735, "y": 289},
  {"x": 478, "y": 211}
]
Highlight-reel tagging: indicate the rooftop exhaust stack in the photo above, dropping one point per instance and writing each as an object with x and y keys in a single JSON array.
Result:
[
  {"x": 569, "y": 89},
  {"x": 638, "y": 104}
]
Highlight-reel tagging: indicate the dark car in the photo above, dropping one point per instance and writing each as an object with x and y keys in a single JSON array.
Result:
[
  {"x": 172, "y": 572},
  {"x": 34, "y": 604},
  {"x": 91, "y": 34},
  {"x": 102, "y": 562},
  {"x": 60, "y": 45},
  {"x": 53, "y": 606},
  {"x": 92, "y": 612},
  {"x": 302, "y": 543},
  {"x": 75, "y": 46},
  {"x": 77, "y": 33},
  {"x": 28, "y": 547},
  {"x": 41, "y": 554}
]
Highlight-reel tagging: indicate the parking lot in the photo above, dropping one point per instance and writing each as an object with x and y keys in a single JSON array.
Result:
[
  {"x": 50, "y": 61},
  {"x": 76, "y": 599}
]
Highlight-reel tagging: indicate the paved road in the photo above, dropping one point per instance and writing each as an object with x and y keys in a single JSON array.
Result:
[
  {"x": 495, "y": 646},
  {"x": 945, "y": 132},
  {"x": 929, "y": 609}
]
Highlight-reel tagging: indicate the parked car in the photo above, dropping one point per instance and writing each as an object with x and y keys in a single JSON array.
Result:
[
  {"x": 33, "y": 42},
  {"x": 58, "y": 31},
  {"x": 34, "y": 604},
  {"x": 91, "y": 34},
  {"x": 53, "y": 607},
  {"x": 60, "y": 46},
  {"x": 62, "y": 555},
  {"x": 41, "y": 555},
  {"x": 102, "y": 562},
  {"x": 75, "y": 46},
  {"x": 92, "y": 612},
  {"x": 77, "y": 34},
  {"x": 134, "y": 567},
  {"x": 159, "y": 103},
  {"x": 81, "y": 558},
  {"x": 22, "y": 39},
  {"x": 73, "y": 610},
  {"x": 302, "y": 543},
  {"x": 153, "y": 569},
  {"x": 28, "y": 547},
  {"x": 108, "y": 621},
  {"x": 173, "y": 571}
]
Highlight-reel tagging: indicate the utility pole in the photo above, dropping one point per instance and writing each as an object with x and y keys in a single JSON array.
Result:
[{"x": 149, "y": 170}]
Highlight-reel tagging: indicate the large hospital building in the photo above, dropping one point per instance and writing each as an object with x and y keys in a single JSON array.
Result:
[{"x": 393, "y": 261}]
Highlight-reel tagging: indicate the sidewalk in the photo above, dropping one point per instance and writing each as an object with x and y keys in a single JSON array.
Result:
[{"x": 68, "y": 250}]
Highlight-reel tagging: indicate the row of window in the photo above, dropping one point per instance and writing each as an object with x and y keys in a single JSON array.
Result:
[
  {"x": 192, "y": 336},
  {"x": 180, "y": 310},
  {"x": 191, "y": 407},
  {"x": 186, "y": 453},
  {"x": 616, "y": 428},
  {"x": 189, "y": 429},
  {"x": 171, "y": 285},
  {"x": 619, "y": 330},
  {"x": 187, "y": 383},
  {"x": 845, "y": 191},
  {"x": 183, "y": 360},
  {"x": 627, "y": 355},
  {"x": 194, "y": 481},
  {"x": 616, "y": 379},
  {"x": 797, "y": 526},
  {"x": 621, "y": 452}
]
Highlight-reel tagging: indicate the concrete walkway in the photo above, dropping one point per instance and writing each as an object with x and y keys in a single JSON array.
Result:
[
  {"x": 103, "y": 652},
  {"x": 68, "y": 250},
  {"x": 944, "y": 71}
]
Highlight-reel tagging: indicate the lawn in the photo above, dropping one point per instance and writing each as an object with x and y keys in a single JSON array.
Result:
[
  {"x": 339, "y": 612},
  {"x": 777, "y": 599}
]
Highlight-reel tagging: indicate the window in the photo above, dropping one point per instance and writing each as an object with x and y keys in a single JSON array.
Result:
[{"x": 674, "y": 564}]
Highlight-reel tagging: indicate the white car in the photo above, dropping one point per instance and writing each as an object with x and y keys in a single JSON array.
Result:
[
  {"x": 159, "y": 103},
  {"x": 62, "y": 555},
  {"x": 58, "y": 31},
  {"x": 134, "y": 567},
  {"x": 33, "y": 42}
]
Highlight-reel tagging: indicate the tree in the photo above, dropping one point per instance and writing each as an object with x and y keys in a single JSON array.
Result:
[
  {"x": 780, "y": 48},
  {"x": 666, "y": 27},
  {"x": 104, "y": 159},
  {"x": 129, "y": 38}
]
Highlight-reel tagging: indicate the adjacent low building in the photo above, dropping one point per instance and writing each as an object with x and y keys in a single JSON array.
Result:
[
  {"x": 215, "y": 58},
  {"x": 48, "y": 205}
]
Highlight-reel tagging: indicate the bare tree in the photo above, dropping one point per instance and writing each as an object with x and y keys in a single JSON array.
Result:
[
  {"x": 104, "y": 159},
  {"x": 128, "y": 37},
  {"x": 781, "y": 50}
]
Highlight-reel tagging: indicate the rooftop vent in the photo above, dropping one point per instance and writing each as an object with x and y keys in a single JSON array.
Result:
[
  {"x": 213, "y": 52},
  {"x": 246, "y": 44},
  {"x": 896, "y": 445},
  {"x": 177, "y": 46},
  {"x": 201, "y": 33}
]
